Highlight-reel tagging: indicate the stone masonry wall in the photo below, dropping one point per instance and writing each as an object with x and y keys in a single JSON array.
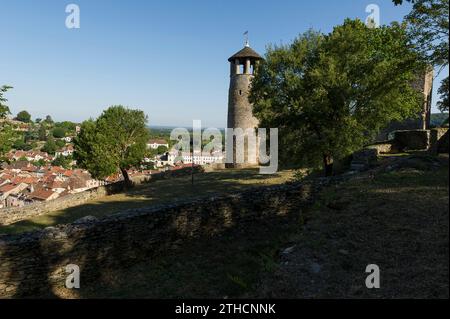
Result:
[
  {"x": 33, "y": 264},
  {"x": 439, "y": 140},
  {"x": 412, "y": 140}
]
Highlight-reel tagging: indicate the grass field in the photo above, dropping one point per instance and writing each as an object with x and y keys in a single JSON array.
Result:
[
  {"x": 157, "y": 192},
  {"x": 397, "y": 219}
]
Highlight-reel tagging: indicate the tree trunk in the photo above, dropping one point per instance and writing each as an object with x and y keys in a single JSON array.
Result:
[
  {"x": 126, "y": 178},
  {"x": 328, "y": 165}
]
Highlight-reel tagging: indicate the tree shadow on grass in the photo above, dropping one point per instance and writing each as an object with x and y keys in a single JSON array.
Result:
[
  {"x": 37, "y": 269},
  {"x": 222, "y": 252}
]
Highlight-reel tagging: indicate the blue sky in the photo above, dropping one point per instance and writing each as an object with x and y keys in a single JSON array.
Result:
[{"x": 168, "y": 58}]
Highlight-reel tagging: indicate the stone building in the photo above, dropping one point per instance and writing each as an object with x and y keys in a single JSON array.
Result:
[
  {"x": 423, "y": 84},
  {"x": 242, "y": 69}
]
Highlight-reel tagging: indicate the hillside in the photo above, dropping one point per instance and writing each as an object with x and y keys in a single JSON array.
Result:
[
  {"x": 438, "y": 118},
  {"x": 395, "y": 216}
]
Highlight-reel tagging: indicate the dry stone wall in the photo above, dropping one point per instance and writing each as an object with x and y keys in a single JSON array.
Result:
[{"x": 33, "y": 264}]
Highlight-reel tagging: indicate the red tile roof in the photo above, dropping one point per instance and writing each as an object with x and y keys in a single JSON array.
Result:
[{"x": 42, "y": 194}]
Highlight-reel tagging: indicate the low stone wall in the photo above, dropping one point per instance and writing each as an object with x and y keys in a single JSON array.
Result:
[
  {"x": 412, "y": 140},
  {"x": 439, "y": 140},
  {"x": 34, "y": 264},
  {"x": 14, "y": 214},
  {"x": 434, "y": 141},
  {"x": 384, "y": 147}
]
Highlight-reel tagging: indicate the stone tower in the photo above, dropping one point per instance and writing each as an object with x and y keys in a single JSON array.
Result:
[
  {"x": 424, "y": 85},
  {"x": 242, "y": 67}
]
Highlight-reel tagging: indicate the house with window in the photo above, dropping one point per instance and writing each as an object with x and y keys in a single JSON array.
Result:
[{"x": 155, "y": 143}]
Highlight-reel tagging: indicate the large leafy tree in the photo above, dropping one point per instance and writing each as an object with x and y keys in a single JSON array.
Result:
[
  {"x": 59, "y": 132},
  {"x": 113, "y": 143},
  {"x": 429, "y": 30},
  {"x": 50, "y": 146},
  {"x": 330, "y": 94},
  {"x": 4, "y": 109},
  {"x": 428, "y": 26},
  {"x": 7, "y": 137},
  {"x": 7, "y": 134}
]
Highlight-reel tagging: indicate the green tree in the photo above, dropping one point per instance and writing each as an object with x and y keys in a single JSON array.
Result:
[
  {"x": 42, "y": 133},
  {"x": 7, "y": 136},
  {"x": 31, "y": 135},
  {"x": 60, "y": 143},
  {"x": 20, "y": 144},
  {"x": 49, "y": 120},
  {"x": 4, "y": 109},
  {"x": 59, "y": 132},
  {"x": 50, "y": 146},
  {"x": 330, "y": 94},
  {"x": 428, "y": 24},
  {"x": 443, "y": 92},
  {"x": 429, "y": 29},
  {"x": 62, "y": 161},
  {"x": 67, "y": 126},
  {"x": 24, "y": 116},
  {"x": 113, "y": 143},
  {"x": 162, "y": 149}
]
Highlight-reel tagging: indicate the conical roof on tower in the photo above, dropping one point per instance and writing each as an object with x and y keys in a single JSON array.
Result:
[{"x": 246, "y": 52}]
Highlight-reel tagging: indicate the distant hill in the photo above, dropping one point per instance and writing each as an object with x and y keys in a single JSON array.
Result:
[{"x": 438, "y": 118}]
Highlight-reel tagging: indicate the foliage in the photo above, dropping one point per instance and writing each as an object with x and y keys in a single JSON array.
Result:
[
  {"x": 7, "y": 136},
  {"x": 162, "y": 149},
  {"x": 115, "y": 142},
  {"x": 67, "y": 126},
  {"x": 48, "y": 119},
  {"x": 60, "y": 143},
  {"x": 148, "y": 166},
  {"x": 24, "y": 116},
  {"x": 63, "y": 161},
  {"x": 429, "y": 28},
  {"x": 59, "y": 132},
  {"x": 39, "y": 163},
  {"x": 20, "y": 144},
  {"x": 438, "y": 119},
  {"x": 330, "y": 94},
  {"x": 42, "y": 133},
  {"x": 31, "y": 135},
  {"x": 443, "y": 92},
  {"x": 50, "y": 146},
  {"x": 4, "y": 109}
]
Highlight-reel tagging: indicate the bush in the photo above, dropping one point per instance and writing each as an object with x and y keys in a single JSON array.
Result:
[
  {"x": 60, "y": 143},
  {"x": 59, "y": 132},
  {"x": 24, "y": 116}
]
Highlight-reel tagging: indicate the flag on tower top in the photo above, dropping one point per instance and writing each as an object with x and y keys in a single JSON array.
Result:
[{"x": 247, "y": 44}]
